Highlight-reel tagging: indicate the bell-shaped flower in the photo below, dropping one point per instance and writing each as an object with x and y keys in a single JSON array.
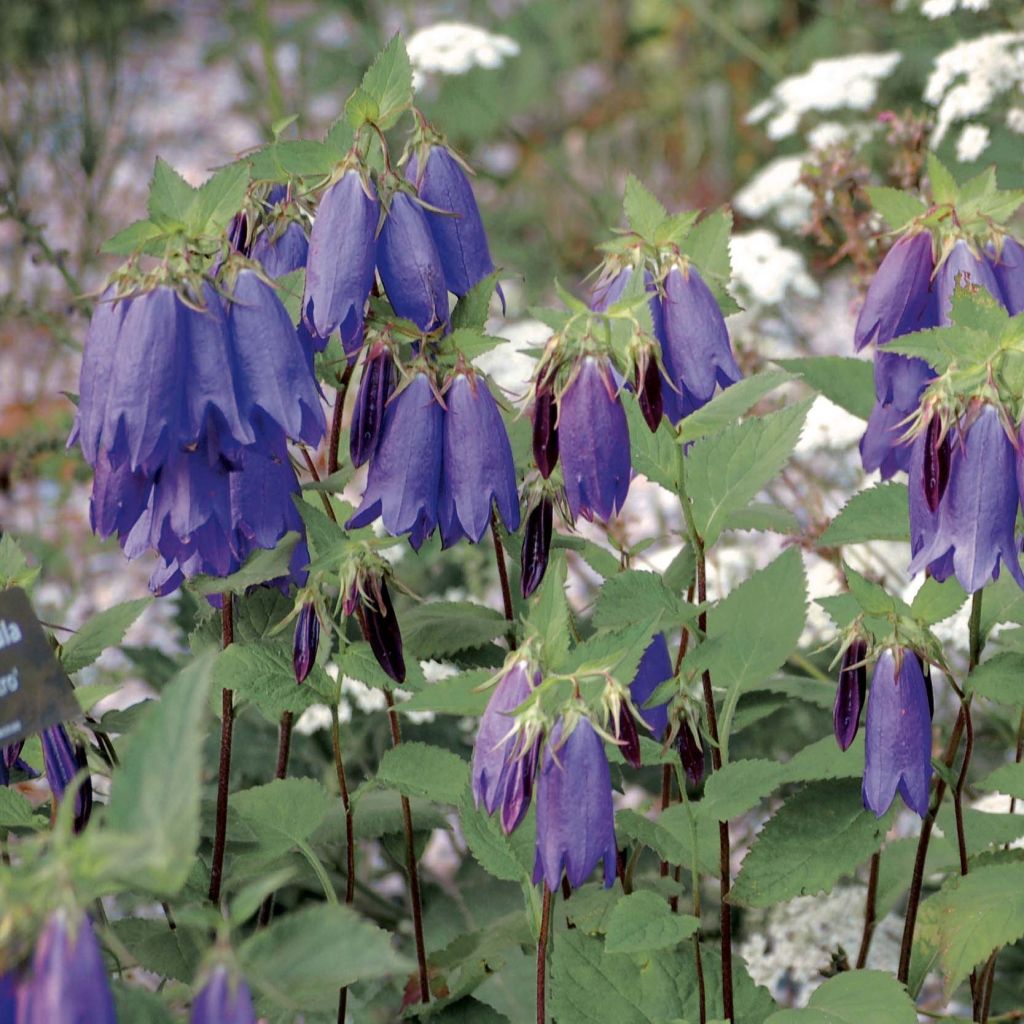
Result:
[
  {"x": 281, "y": 247},
  {"x": 897, "y": 735},
  {"x": 654, "y": 668},
  {"x": 459, "y": 232},
  {"x": 900, "y": 298},
  {"x": 1008, "y": 267},
  {"x": 341, "y": 260},
  {"x": 119, "y": 497},
  {"x": 477, "y": 466},
  {"x": 410, "y": 265},
  {"x": 853, "y": 676},
  {"x": 694, "y": 339},
  {"x": 503, "y": 769},
  {"x": 405, "y": 473},
  {"x": 575, "y": 817},
  {"x": 8, "y": 998},
  {"x": 536, "y": 546},
  {"x": 965, "y": 268},
  {"x": 223, "y": 999},
  {"x": 974, "y": 520},
  {"x": 63, "y": 760},
  {"x": 306, "y": 642},
  {"x": 375, "y": 389},
  {"x": 594, "y": 442},
  {"x": 67, "y": 981}
]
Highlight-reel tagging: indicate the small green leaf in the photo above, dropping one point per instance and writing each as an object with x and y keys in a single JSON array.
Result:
[
  {"x": 137, "y": 237},
  {"x": 848, "y": 382},
  {"x": 879, "y": 513},
  {"x": 457, "y": 695},
  {"x": 763, "y": 517},
  {"x": 944, "y": 187},
  {"x": 419, "y": 769},
  {"x": 170, "y": 195},
  {"x": 898, "y": 208},
  {"x": 472, "y": 310},
  {"x": 935, "y": 602},
  {"x": 509, "y": 858},
  {"x": 732, "y": 403},
  {"x": 107, "y": 629},
  {"x": 643, "y": 921},
  {"x": 549, "y": 615},
  {"x": 707, "y": 244},
  {"x": 14, "y": 569},
  {"x": 389, "y": 82},
  {"x": 655, "y": 455},
  {"x": 298, "y": 158},
  {"x": 1007, "y": 778},
  {"x": 260, "y": 566},
  {"x": 262, "y": 672},
  {"x": 361, "y": 108},
  {"x": 854, "y": 997},
  {"x": 643, "y": 210},
  {"x": 442, "y": 628},
  {"x": 220, "y": 198},
  {"x": 638, "y": 596},
  {"x": 1000, "y": 679},
  {"x": 16, "y": 811}
]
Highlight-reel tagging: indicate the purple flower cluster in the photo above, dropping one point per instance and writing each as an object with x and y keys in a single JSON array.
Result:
[
  {"x": 437, "y": 461},
  {"x": 187, "y": 401}
]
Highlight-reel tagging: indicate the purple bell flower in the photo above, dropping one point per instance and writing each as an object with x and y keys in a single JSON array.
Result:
[
  {"x": 694, "y": 339},
  {"x": 281, "y": 246},
  {"x": 375, "y": 389},
  {"x": 545, "y": 430},
  {"x": 381, "y": 631},
  {"x": 223, "y": 1000},
  {"x": 63, "y": 760},
  {"x": 654, "y": 668},
  {"x": 8, "y": 998},
  {"x": 477, "y": 467},
  {"x": 405, "y": 473},
  {"x": 410, "y": 266},
  {"x": 575, "y": 818},
  {"x": 461, "y": 240},
  {"x": 974, "y": 521},
  {"x": 341, "y": 260},
  {"x": 68, "y": 982},
  {"x": 1008, "y": 268},
  {"x": 898, "y": 736},
  {"x": 503, "y": 772},
  {"x": 594, "y": 442},
  {"x": 536, "y": 546},
  {"x": 306, "y": 643},
  {"x": 853, "y": 675},
  {"x": 900, "y": 297},
  {"x": 965, "y": 268}
]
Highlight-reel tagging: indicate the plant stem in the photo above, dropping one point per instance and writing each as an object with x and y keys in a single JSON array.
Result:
[
  {"x": 869, "y": 911},
  {"x": 350, "y": 844},
  {"x": 410, "y": 859},
  {"x": 227, "y": 717},
  {"x": 284, "y": 745},
  {"x": 506, "y": 590},
  {"x": 333, "y": 460},
  {"x": 542, "y": 955}
]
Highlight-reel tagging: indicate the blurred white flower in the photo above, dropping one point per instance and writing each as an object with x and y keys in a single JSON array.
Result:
[
  {"x": 764, "y": 271},
  {"x": 834, "y": 84},
  {"x": 453, "y": 47},
  {"x": 968, "y": 77},
  {"x": 829, "y": 427},
  {"x": 1015, "y": 120},
  {"x": 776, "y": 190},
  {"x": 934, "y": 9},
  {"x": 972, "y": 143}
]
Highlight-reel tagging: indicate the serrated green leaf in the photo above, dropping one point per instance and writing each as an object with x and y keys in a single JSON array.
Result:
[
  {"x": 389, "y": 81},
  {"x": 816, "y": 837},
  {"x": 419, "y": 769},
  {"x": 935, "y": 602},
  {"x": 283, "y": 813},
  {"x": 898, "y": 208},
  {"x": 263, "y": 673},
  {"x": 220, "y": 198},
  {"x": 14, "y": 569},
  {"x": 943, "y": 184},
  {"x": 655, "y": 455},
  {"x": 361, "y": 108},
  {"x": 139, "y": 1005},
  {"x": 294, "y": 158},
  {"x": 854, "y": 997},
  {"x": 170, "y": 953},
  {"x": 681, "y": 570},
  {"x": 643, "y": 921},
  {"x": 357, "y": 661},
  {"x": 1000, "y": 679},
  {"x": 107, "y": 629},
  {"x": 1007, "y": 778},
  {"x": 137, "y": 237},
  {"x": 472, "y": 310},
  {"x": 643, "y": 210},
  {"x": 879, "y": 513},
  {"x": 848, "y": 382},
  {"x": 732, "y": 403},
  {"x": 170, "y": 195},
  {"x": 549, "y": 615},
  {"x": 763, "y": 517},
  {"x": 509, "y": 858},
  {"x": 602, "y": 561},
  {"x": 16, "y": 811},
  {"x": 457, "y": 695},
  {"x": 262, "y": 565},
  {"x": 91, "y": 694},
  {"x": 445, "y": 627},
  {"x": 727, "y": 471},
  {"x": 638, "y": 596},
  {"x": 870, "y": 596}
]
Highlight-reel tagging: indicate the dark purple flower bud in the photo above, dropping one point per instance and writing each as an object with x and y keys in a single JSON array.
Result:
[
  {"x": 628, "y": 737},
  {"x": 410, "y": 266},
  {"x": 654, "y": 668},
  {"x": 545, "y": 431},
  {"x": 853, "y": 675},
  {"x": 900, "y": 297},
  {"x": 63, "y": 760},
  {"x": 897, "y": 736},
  {"x": 307, "y": 640},
  {"x": 223, "y": 999},
  {"x": 923, "y": 520},
  {"x": 936, "y": 463},
  {"x": 648, "y": 392},
  {"x": 691, "y": 753},
  {"x": 536, "y": 546},
  {"x": 368, "y": 415},
  {"x": 380, "y": 628},
  {"x": 461, "y": 240},
  {"x": 10, "y": 760},
  {"x": 965, "y": 269},
  {"x": 1009, "y": 270},
  {"x": 477, "y": 465},
  {"x": 273, "y": 378},
  {"x": 503, "y": 771},
  {"x": 68, "y": 981},
  {"x": 281, "y": 250},
  {"x": 975, "y": 519},
  {"x": 594, "y": 441},
  {"x": 405, "y": 473},
  {"x": 575, "y": 817},
  {"x": 694, "y": 339},
  {"x": 341, "y": 260}
]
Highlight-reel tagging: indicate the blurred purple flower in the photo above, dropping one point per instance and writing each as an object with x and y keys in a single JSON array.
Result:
[
  {"x": 223, "y": 999},
  {"x": 1008, "y": 267},
  {"x": 853, "y": 675},
  {"x": 8, "y": 998},
  {"x": 63, "y": 760}
]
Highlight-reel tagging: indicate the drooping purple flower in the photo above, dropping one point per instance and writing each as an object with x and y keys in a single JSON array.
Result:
[
  {"x": 975, "y": 518},
  {"x": 477, "y": 466},
  {"x": 341, "y": 260},
  {"x": 647, "y": 383},
  {"x": 281, "y": 246},
  {"x": 223, "y": 999},
  {"x": 380, "y": 629},
  {"x": 67, "y": 981},
  {"x": 375, "y": 389},
  {"x": 460, "y": 237},
  {"x": 307, "y": 640},
  {"x": 897, "y": 736},
  {"x": 594, "y": 442},
  {"x": 853, "y": 675},
  {"x": 536, "y": 546},
  {"x": 503, "y": 771},
  {"x": 654, "y": 668},
  {"x": 575, "y": 817},
  {"x": 410, "y": 265},
  {"x": 63, "y": 760},
  {"x": 694, "y": 339},
  {"x": 1008, "y": 267},
  {"x": 691, "y": 753},
  {"x": 628, "y": 736},
  {"x": 965, "y": 268},
  {"x": 900, "y": 296},
  {"x": 545, "y": 430},
  {"x": 8, "y": 998},
  {"x": 405, "y": 473},
  {"x": 923, "y": 519}
]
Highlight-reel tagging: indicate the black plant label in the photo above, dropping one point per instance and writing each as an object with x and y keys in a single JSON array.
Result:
[{"x": 35, "y": 691}]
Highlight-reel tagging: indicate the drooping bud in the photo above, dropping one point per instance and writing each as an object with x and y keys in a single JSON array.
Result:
[
  {"x": 368, "y": 415},
  {"x": 627, "y": 735},
  {"x": 380, "y": 628},
  {"x": 936, "y": 463},
  {"x": 545, "y": 431},
  {"x": 223, "y": 1000},
  {"x": 648, "y": 392},
  {"x": 853, "y": 677},
  {"x": 63, "y": 760},
  {"x": 691, "y": 753},
  {"x": 307, "y": 640},
  {"x": 536, "y": 546}
]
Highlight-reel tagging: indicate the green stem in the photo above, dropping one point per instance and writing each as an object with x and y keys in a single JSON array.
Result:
[{"x": 318, "y": 869}]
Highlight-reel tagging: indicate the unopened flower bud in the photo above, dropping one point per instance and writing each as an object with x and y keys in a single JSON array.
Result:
[
  {"x": 536, "y": 546},
  {"x": 307, "y": 640}
]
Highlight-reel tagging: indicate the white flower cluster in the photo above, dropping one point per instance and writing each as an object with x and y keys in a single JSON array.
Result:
[
  {"x": 834, "y": 84},
  {"x": 967, "y": 78},
  {"x": 935, "y": 9},
  {"x": 776, "y": 190},
  {"x": 454, "y": 47},
  {"x": 764, "y": 271},
  {"x": 972, "y": 143}
]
